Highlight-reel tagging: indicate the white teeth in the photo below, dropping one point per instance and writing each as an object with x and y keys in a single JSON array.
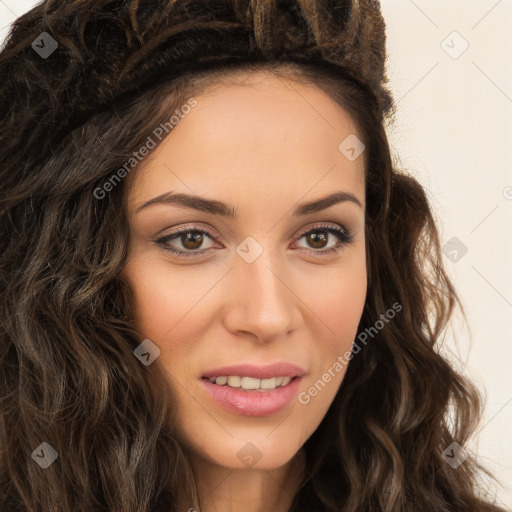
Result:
[
  {"x": 234, "y": 382},
  {"x": 251, "y": 383},
  {"x": 269, "y": 383},
  {"x": 286, "y": 381}
]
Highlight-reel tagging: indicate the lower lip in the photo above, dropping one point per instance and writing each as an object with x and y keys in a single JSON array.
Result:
[{"x": 252, "y": 402}]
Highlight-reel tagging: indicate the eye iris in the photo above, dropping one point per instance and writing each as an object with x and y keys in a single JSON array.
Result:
[
  {"x": 195, "y": 238},
  {"x": 315, "y": 238}
]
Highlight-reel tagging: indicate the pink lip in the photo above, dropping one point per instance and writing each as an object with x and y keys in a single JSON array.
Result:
[
  {"x": 252, "y": 402},
  {"x": 258, "y": 372}
]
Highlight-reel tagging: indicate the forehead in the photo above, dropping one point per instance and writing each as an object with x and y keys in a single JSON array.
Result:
[{"x": 267, "y": 133}]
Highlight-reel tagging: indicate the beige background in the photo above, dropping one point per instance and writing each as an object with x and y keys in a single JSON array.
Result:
[{"x": 451, "y": 74}]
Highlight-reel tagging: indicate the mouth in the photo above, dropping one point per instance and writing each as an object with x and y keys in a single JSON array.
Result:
[
  {"x": 252, "y": 390},
  {"x": 249, "y": 374},
  {"x": 252, "y": 402},
  {"x": 244, "y": 383}
]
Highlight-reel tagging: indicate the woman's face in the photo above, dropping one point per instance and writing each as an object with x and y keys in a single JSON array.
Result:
[{"x": 260, "y": 287}]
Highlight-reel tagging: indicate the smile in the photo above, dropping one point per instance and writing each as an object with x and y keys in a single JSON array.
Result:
[
  {"x": 255, "y": 400},
  {"x": 249, "y": 383}
]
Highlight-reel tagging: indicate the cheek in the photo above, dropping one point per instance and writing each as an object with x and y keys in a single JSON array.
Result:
[
  {"x": 338, "y": 305},
  {"x": 162, "y": 301},
  {"x": 338, "y": 301},
  {"x": 171, "y": 309},
  {"x": 344, "y": 308},
  {"x": 154, "y": 309}
]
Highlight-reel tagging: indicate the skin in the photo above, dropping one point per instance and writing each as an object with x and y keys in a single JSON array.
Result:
[{"x": 262, "y": 148}]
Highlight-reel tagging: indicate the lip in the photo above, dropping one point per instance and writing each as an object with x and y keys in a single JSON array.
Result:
[
  {"x": 251, "y": 402},
  {"x": 280, "y": 369}
]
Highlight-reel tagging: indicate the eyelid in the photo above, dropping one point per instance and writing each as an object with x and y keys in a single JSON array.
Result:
[
  {"x": 342, "y": 232},
  {"x": 190, "y": 226},
  {"x": 344, "y": 237},
  {"x": 320, "y": 225},
  {"x": 200, "y": 227}
]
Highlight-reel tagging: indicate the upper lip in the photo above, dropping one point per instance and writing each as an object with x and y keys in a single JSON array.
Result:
[{"x": 280, "y": 369}]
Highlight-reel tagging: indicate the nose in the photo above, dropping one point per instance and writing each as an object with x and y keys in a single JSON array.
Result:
[{"x": 261, "y": 300}]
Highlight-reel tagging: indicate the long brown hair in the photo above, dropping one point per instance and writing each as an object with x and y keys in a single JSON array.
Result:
[{"x": 68, "y": 375}]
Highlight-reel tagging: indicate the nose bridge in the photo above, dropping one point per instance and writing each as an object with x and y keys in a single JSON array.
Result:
[{"x": 262, "y": 303}]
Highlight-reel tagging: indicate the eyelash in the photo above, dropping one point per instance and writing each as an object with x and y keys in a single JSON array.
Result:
[{"x": 344, "y": 236}]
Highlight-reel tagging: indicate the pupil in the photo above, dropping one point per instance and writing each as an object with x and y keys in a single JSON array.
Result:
[
  {"x": 195, "y": 239},
  {"x": 320, "y": 238}
]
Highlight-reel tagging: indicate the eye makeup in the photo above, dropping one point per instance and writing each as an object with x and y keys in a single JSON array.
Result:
[{"x": 342, "y": 234}]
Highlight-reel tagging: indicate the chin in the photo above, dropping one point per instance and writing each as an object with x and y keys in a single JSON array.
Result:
[{"x": 254, "y": 453}]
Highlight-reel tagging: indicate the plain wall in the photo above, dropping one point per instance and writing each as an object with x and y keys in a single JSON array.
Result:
[{"x": 453, "y": 131}]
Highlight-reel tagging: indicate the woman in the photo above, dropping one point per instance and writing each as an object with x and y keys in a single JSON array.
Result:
[{"x": 217, "y": 292}]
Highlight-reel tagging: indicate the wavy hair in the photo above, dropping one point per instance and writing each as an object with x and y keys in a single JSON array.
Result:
[{"x": 68, "y": 375}]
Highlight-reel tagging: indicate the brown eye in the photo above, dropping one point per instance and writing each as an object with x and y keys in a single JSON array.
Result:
[
  {"x": 191, "y": 240},
  {"x": 317, "y": 239}
]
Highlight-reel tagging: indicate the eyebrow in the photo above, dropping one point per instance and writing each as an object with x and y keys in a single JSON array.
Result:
[{"x": 218, "y": 208}]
